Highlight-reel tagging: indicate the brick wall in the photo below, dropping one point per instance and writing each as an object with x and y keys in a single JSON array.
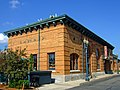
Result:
[
  {"x": 28, "y": 41},
  {"x": 62, "y": 40},
  {"x": 73, "y": 44}
]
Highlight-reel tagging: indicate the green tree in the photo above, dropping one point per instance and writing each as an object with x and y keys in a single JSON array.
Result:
[
  {"x": 15, "y": 65},
  {"x": 31, "y": 61}
]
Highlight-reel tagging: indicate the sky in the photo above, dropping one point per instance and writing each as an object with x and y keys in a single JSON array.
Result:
[{"x": 100, "y": 16}]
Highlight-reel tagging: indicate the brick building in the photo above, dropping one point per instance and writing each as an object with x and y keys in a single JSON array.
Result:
[
  {"x": 57, "y": 45},
  {"x": 115, "y": 63}
]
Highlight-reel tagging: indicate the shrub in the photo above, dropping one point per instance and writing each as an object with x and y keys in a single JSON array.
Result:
[
  {"x": 21, "y": 82},
  {"x": 18, "y": 84},
  {"x": 12, "y": 84}
]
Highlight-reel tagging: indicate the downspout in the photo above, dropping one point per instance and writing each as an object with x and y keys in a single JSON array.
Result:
[{"x": 38, "y": 48}]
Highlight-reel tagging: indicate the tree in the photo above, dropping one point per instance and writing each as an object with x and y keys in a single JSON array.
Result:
[
  {"x": 31, "y": 61},
  {"x": 15, "y": 65}
]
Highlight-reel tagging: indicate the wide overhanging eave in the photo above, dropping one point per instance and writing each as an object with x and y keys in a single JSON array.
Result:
[
  {"x": 43, "y": 22},
  {"x": 66, "y": 20},
  {"x": 87, "y": 32}
]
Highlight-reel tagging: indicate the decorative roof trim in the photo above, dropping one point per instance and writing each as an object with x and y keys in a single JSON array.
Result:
[{"x": 63, "y": 19}]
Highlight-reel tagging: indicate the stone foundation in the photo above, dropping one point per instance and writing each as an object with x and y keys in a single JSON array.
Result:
[
  {"x": 66, "y": 78},
  {"x": 72, "y": 77}
]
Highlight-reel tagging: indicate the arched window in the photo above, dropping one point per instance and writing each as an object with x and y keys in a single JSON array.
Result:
[
  {"x": 74, "y": 61},
  {"x": 97, "y": 58}
]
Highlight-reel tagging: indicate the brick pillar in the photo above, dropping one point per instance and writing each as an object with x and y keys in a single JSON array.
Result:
[
  {"x": 93, "y": 62},
  {"x": 101, "y": 63},
  {"x": 101, "y": 60},
  {"x": 80, "y": 63}
]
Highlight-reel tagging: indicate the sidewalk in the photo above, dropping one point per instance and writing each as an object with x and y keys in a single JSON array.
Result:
[{"x": 71, "y": 84}]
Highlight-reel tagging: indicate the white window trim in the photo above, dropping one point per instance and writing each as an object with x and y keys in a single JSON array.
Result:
[
  {"x": 98, "y": 69},
  {"x": 52, "y": 70},
  {"x": 74, "y": 70}
]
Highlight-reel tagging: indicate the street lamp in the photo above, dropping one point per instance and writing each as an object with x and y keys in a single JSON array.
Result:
[{"x": 86, "y": 42}]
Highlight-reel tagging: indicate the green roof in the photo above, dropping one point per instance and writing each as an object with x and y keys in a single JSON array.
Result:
[
  {"x": 36, "y": 23},
  {"x": 66, "y": 20}
]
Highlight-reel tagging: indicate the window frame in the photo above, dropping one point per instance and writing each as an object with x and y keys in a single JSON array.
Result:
[
  {"x": 50, "y": 67},
  {"x": 97, "y": 58},
  {"x": 35, "y": 61},
  {"x": 74, "y": 61}
]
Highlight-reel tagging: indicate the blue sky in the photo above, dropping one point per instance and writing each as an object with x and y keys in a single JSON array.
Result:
[{"x": 100, "y": 16}]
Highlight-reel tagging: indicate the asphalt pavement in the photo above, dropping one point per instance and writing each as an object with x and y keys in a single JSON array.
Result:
[
  {"x": 103, "y": 82},
  {"x": 112, "y": 83}
]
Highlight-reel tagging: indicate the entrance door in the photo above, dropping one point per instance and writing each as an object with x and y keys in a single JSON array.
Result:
[{"x": 107, "y": 67}]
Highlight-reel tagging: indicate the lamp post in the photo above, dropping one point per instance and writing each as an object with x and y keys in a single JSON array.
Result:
[{"x": 86, "y": 42}]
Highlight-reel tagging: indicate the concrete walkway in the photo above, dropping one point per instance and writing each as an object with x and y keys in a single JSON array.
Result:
[{"x": 71, "y": 84}]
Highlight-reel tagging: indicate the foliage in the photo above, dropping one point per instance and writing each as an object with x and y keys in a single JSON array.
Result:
[
  {"x": 12, "y": 83},
  {"x": 19, "y": 84},
  {"x": 15, "y": 66},
  {"x": 31, "y": 61},
  {"x": 25, "y": 82}
]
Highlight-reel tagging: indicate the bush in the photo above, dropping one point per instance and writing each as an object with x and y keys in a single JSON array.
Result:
[
  {"x": 19, "y": 84},
  {"x": 12, "y": 84}
]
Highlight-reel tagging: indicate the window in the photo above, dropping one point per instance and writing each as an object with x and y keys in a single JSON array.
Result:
[
  {"x": 35, "y": 61},
  {"x": 109, "y": 53},
  {"x": 51, "y": 58},
  {"x": 73, "y": 61},
  {"x": 97, "y": 58}
]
